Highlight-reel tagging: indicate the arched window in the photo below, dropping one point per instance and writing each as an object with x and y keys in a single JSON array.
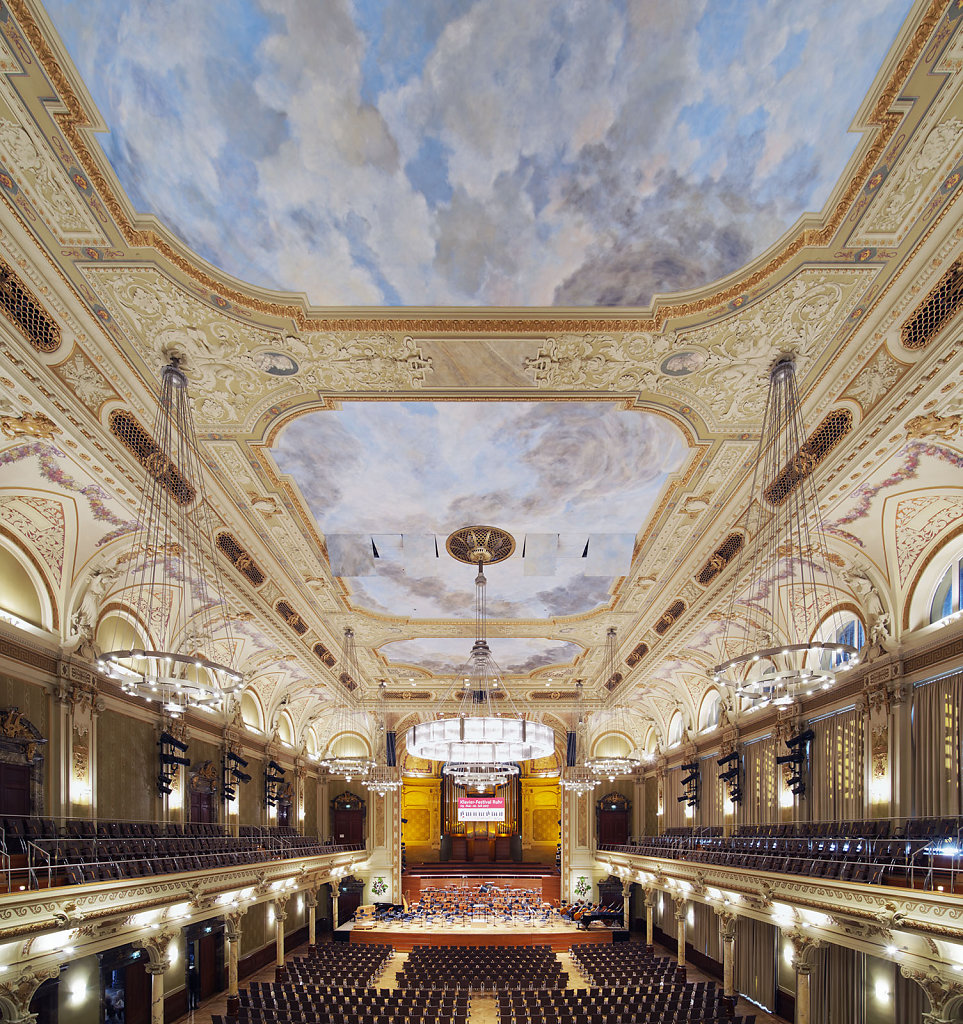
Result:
[
  {"x": 946, "y": 597},
  {"x": 22, "y": 590},
  {"x": 840, "y": 628},
  {"x": 675, "y": 729},
  {"x": 709, "y": 711},
  {"x": 251, "y": 713}
]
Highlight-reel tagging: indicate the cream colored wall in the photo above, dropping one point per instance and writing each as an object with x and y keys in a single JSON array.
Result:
[
  {"x": 541, "y": 811},
  {"x": 126, "y": 768},
  {"x": 255, "y": 932},
  {"x": 250, "y": 797},
  {"x": 421, "y": 805},
  {"x": 78, "y": 991},
  {"x": 310, "y": 823},
  {"x": 17, "y": 591}
]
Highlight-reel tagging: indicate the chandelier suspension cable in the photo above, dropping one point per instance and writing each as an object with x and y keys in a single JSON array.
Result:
[
  {"x": 173, "y": 584},
  {"x": 486, "y": 729},
  {"x": 785, "y": 564}
]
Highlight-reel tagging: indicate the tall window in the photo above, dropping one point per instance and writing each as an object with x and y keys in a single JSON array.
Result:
[
  {"x": 946, "y": 599},
  {"x": 840, "y": 630}
]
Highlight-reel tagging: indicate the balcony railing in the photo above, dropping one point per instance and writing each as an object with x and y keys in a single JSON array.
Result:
[
  {"x": 43, "y": 852},
  {"x": 923, "y": 853}
]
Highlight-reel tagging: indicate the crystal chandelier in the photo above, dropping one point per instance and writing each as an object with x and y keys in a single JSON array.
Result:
[
  {"x": 612, "y": 765},
  {"x": 481, "y": 777},
  {"x": 382, "y": 779},
  {"x": 783, "y": 580},
  {"x": 173, "y": 585},
  {"x": 335, "y": 759},
  {"x": 487, "y": 729},
  {"x": 578, "y": 778}
]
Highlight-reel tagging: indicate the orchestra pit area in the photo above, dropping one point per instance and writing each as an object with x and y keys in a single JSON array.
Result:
[{"x": 342, "y": 983}]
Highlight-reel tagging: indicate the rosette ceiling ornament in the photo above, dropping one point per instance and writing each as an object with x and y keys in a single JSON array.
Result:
[
  {"x": 611, "y": 763},
  {"x": 476, "y": 722},
  {"x": 783, "y": 615},
  {"x": 173, "y": 591}
]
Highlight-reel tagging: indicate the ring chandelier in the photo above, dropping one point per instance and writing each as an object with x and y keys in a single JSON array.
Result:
[
  {"x": 486, "y": 728},
  {"x": 784, "y": 576},
  {"x": 173, "y": 581}
]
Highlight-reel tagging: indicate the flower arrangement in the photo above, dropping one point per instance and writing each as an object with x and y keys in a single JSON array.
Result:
[
  {"x": 582, "y": 887},
  {"x": 379, "y": 886}
]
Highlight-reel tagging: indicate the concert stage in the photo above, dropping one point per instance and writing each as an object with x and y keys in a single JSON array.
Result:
[
  {"x": 512, "y": 876},
  {"x": 405, "y": 937}
]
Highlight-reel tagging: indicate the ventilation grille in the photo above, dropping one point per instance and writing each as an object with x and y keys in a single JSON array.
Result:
[
  {"x": 637, "y": 654},
  {"x": 327, "y": 658},
  {"x": 721, "y": 557},
  {"x": 613, "y": 680},
  {"x": 669, "y": 617},
  {"x": 25, "y": 313},
  {"x": 240, "y": 559},
  {"x": 942, "y": 303},
  {"x": 347, "y": 682},
  {"x": 144, "y": 448},
  {"x": 812, "y": 451},
  {"x": 291, "y": 617}
]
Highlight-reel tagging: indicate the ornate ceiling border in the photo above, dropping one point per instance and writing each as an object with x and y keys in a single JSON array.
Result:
[{"x": 76, "y": 124}]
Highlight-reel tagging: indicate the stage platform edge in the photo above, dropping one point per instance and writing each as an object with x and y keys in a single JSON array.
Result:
[{"x": 405, "y": 941}]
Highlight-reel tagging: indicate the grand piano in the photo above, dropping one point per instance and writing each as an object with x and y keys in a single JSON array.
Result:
[{"x": 607, "y": 914}]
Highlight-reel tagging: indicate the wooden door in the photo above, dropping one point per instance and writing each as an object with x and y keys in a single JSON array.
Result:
[
  {"x": 348, "y": 826},
  {"x": 613, "y": 826},
  {"x": 207, "y": 953},
  {"x": 202, "y": 806},
  {"x": 14, "y": 788},
  {"x": 136, "y": 994}
]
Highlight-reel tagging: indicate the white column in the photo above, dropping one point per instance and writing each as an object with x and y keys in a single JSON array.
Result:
[
  {"x": 680, "y": 912},
  {"x": 311, "y": 903},
  {"x": 156, "y": 972},
  {"x": 802, "y": 991},
  {"x": 232, "y": 933},
  {"x": 334, "y": 905},
  {"x": 727, "y": 925},
  {"x": 626, "y": 904},
  {"x": 649, "y": 916},
  {"x": 280, "y": 913}
]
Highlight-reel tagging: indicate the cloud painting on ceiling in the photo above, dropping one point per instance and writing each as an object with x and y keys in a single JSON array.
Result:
[
  {"x": 451, "y": 152},
  {"x": 407, "y": 474},
  {"x": 444, "y": 656}
]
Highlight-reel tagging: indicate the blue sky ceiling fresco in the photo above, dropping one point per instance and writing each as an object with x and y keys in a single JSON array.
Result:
[
  {"x": 407, "y": 474},
  {"x": 442, "y": 656},
  {"x": 450, "y": 152}
]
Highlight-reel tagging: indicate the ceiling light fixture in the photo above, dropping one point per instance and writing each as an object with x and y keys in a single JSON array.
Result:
[
  {"x": 783, "y": 580},
  {"x": 486, "y": 729},
  {"x": 173, "y": 586},
  {"x": 578, "y": 778},
  {"x": 347, "y": 720},
  {"x": 382, "y": 779},
  {"x": 610, "y": 766}
]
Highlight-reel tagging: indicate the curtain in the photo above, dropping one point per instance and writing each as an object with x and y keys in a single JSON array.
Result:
[
  {"x": 837, "y": 767},
  {"x": 704, "y": 933},
  {"x": 835, "y": 986},
  {"x": 674, "y": 816},
  {"x": 760, "y": 798},
  {"x": 755, "y": 961},
  {"x": 937, "y": 732},
  {"x": 711, "y": 793},
  {"x": 909, "y": 999}
]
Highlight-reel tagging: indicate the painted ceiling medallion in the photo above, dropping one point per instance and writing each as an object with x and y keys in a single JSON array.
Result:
[{"x": 480, "y": 545}]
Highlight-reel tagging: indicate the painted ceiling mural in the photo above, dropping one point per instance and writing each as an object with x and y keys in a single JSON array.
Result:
[
  {"x": 450, "y": 152},
  {"x": 442, "y": 656},
  {"x": 407, "y": 474}
]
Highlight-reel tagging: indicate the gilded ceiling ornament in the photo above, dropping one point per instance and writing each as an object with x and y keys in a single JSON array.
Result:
[
  {"x": 933, "y": 425},
  {"x": 29, "y": 424}
]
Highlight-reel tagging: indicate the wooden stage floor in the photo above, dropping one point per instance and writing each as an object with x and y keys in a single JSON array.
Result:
[{"x": 405, "y": 937}]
